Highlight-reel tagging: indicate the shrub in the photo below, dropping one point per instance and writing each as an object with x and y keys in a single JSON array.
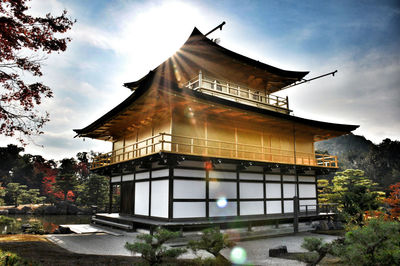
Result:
[
  {"x": 307, "y": 257},
  {"x": 376, "y": 243},
  {"x": 36, "y": 227},
  {"x": 9, "y": 258},
  {"x": 212, "y": 241},
  {"x": 152, "y": 249},
  {"x": 4, "y": 220},
  {"x": 314, "y": 244}
]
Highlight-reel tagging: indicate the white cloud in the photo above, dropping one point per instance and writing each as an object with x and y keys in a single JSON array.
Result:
[{"x": 364, "y": 92}]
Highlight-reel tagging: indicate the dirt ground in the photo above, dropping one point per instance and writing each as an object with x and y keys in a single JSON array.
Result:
[
  {"x": 42, "y": 251},
  {"x": 21, "y": 206},
  {"x": 38, "y": 249}
]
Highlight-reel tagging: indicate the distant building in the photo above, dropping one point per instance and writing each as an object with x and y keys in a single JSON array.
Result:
[{"x": 202, "y": 139}]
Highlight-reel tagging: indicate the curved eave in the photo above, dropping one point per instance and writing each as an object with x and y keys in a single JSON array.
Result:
[
  {"x": 143, "y": 85},
  {"x": 135, "y": 84}
]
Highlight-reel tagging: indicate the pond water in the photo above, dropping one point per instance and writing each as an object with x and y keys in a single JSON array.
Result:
[{"x": 50, "y": 222}]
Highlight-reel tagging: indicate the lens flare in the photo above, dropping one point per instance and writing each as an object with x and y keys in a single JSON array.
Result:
[
  {"x": 188, "y": 112},
  {"x": 238, "y": 255},
  {"x": 222, "y": 202}
]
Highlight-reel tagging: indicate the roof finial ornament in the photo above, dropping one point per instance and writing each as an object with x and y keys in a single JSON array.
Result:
[
  {"x": 308, "y": 80},
  {"x": 218, "y": 27}
]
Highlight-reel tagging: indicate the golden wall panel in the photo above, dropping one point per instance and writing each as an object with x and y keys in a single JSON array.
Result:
[
  {"x": 216, "y": 137},
  {"x": 224, "y": 135},
  {"x": 190, "y": 128},
  {"x": 251, "y": 149}
]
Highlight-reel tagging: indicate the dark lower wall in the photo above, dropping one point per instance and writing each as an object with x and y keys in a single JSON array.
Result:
[{"x": 195, "y": 189}]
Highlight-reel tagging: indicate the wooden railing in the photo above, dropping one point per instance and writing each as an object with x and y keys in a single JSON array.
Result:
[
  {"x": 238, "y": 93},
  {"x": 165, "y": 142},
  {"x": 320, "y": 208}
]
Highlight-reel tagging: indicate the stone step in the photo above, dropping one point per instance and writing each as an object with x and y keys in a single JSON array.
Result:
[{"x": 119, "y": 225}]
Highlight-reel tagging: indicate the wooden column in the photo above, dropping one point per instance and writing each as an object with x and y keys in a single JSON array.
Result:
[
  {"x": 237, "y": 192},
  {"x": 207, "y": 194},
  {"x": 150, "y": 180},
  {"x": 171, "y": 193},
  {"x": 110, "y": 197},
  {"x": 282, "y": 201},
  {"x": 296, "y": 214},
  {"x": 120, "y": 195},
  {"x": 264, "y": 192},
  {"x": 133, "y": 191}
]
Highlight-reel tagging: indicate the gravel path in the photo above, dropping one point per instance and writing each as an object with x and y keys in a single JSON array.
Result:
[{"x": 256, "y": 250}]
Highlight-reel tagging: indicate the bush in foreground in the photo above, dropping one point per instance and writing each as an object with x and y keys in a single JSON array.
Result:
[
  {"x": 314, "y": 244},
  {"x": 152, "y": 249},
  {"x": 376, "y": 243},
  {"x": 212, "y": 241},
  {"x": 11, "y": 259}
]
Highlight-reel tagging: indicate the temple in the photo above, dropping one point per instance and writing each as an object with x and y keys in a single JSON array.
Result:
[{"x": 203, "y": 140}]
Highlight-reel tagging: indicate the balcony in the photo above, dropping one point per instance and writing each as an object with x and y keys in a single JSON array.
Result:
[
  {"x": 165, "y": 142},
  {"x": 237, "y": 93}
]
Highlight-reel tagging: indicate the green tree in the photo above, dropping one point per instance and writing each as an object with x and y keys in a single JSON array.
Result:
[
  {"x": 376, "y": 243},
  {"x": 380, "y": 162},
  {"x": 325, "y": 192},
  {"x": 93, "y": 191},
  {"x": 9, "y": 157},
  {"x": 14, "y": 191},
  {"x": 66, "y": 183},
  {"x": 31, "y": 196},
  {"x": 152, "y": 249},
  {"x": 2, "y": 194},
  {"x": 213, "y": 241},
  {"x": 354, "y": 193},
  {"x": 5, "y": 220},
  {"x": 67, "y": 176}
]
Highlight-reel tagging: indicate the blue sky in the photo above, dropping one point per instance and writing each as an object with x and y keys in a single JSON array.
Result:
[{"x": 120, "y": 41}]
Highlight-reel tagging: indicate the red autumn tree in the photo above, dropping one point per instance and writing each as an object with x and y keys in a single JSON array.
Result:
[
  {"x": 394, "y": 201},
  {"x": 22, "y": 38},
  {"x": 49, "y": 171}
]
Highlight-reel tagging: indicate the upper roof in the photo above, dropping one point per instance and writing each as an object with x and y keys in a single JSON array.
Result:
[{"x": 200, "y": 53}]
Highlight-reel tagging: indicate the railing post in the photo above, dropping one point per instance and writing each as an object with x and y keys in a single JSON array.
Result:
[
  {"x": 191, "y": 145},
  {"x": 287, "y": 102},
  {"x": 162, "y": 141},
  {"x": 200, "y": 79}
]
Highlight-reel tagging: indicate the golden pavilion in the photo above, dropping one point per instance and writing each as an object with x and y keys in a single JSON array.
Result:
[{"x": 202, "y": 139}]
